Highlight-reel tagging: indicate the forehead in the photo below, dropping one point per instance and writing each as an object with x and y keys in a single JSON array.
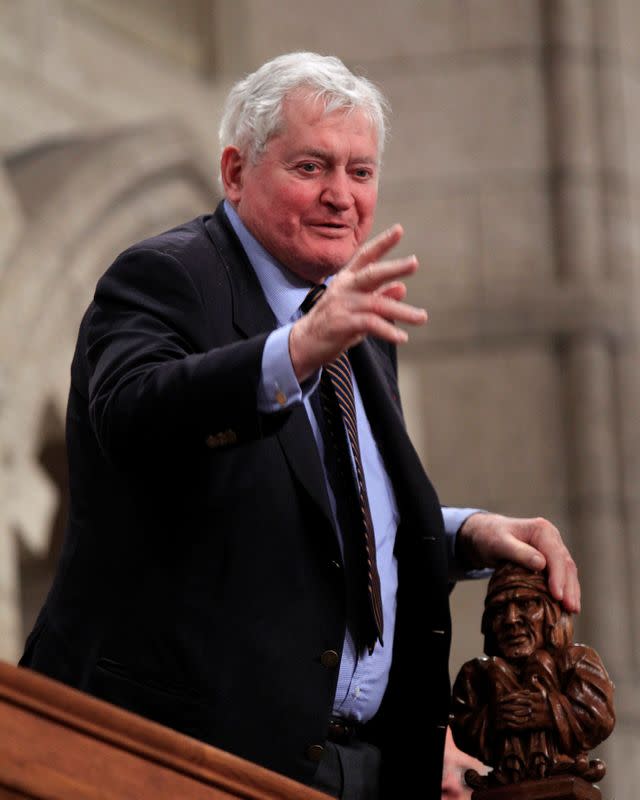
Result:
[
  {"x": 307, "y": 123},
  {"x": 514, "y": 595}
]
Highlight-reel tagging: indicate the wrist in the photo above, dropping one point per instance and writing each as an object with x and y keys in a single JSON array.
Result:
[
  {"x": 301, "y": 366},
  {"x": 466, "y": 552}
]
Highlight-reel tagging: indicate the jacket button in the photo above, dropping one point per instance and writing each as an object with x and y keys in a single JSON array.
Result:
[
  {"x": 315, "y": 752},
  {"x": 335, "y": 565},
  {"x": 329, "y": 659}
]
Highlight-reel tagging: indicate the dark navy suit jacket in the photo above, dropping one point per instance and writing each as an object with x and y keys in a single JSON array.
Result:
[{"x": 200, "y": 579}]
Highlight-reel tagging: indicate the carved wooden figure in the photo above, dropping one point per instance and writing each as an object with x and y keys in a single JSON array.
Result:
[{"x": 537, "y": 703}]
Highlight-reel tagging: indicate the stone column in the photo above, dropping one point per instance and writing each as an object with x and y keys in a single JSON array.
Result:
[
  {"x": 602, "y": 382},
  {"x": 587, "y": 356}
]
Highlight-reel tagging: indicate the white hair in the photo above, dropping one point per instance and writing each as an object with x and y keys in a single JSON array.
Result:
[{"x": 253, "y": 109}]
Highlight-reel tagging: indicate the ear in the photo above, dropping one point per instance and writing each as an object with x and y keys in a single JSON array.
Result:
[{"x": 231, "y": 166}]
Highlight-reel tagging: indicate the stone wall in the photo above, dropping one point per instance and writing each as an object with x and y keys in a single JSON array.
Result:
[{"x": 512, "y": 166}]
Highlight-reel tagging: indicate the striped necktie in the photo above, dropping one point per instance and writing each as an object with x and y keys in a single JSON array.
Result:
[{"x": 339, "y": 408}]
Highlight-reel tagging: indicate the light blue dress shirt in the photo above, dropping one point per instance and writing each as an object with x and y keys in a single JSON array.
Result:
[{"x": 362, "y": 677}]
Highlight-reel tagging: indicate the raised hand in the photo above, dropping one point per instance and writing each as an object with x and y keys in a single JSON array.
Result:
[{"x": 364, "y": 299}]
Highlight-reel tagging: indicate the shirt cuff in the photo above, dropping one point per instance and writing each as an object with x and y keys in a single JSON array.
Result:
[
  {"x": 454, "y": 518},
  {"x": 279, "y": 388}
]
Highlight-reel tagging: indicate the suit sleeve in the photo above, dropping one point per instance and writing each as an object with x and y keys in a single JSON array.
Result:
[{"x": 152, "y": 382}]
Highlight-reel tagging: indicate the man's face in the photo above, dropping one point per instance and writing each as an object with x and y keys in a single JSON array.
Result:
[
  {"x": 310, "y": 199},
  {"x": 517, "y": 621}
]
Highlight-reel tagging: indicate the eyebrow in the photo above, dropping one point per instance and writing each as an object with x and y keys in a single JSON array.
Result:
[{"x": 325, "y": 155}]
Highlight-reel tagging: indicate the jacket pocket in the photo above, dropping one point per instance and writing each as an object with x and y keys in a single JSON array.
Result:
[{"x": 151, "y": 697}]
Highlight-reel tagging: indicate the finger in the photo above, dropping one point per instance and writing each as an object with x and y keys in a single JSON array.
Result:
[
  {"x": 395, "y": 290},
  {"x": 572, "y": 593},
  {"x": 374, "y": 276},
  {"x": 515, "y": 705},
  {"x": 375, "y": 325},
  {"x": 563, "y": 581},
  {"x": 562, "y": 572},
  {"x": 512, "y": 549},
  {"x": 376, "y": 248},
  {"x": 511, "y": 719},
  {"x": 395, "y": 310}
]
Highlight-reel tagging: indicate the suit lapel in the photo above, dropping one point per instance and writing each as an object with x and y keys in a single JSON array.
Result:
[
  {"x": 252, "y": 316},
  {"x": 250, "y": 311}
]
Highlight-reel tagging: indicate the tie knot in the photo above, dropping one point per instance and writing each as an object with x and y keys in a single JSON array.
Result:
[{"x": 312, "y": 297}]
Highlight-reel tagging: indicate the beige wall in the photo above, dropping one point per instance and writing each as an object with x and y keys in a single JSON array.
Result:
[{"x": 512, "y": 166}]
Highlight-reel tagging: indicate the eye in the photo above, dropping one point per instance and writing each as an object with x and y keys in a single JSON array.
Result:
[
  {"x": 363, "y": 173},
  {"x": 309, "y": 167}
]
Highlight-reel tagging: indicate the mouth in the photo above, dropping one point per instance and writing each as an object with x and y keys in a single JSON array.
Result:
[
  {"x": 517, "y": 641},
  {"x": 332, "y": 228}
]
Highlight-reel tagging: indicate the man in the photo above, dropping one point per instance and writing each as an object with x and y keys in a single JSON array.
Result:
[
  {"x": 203, "y": 579},
  {"x": 539, "y": 703}
]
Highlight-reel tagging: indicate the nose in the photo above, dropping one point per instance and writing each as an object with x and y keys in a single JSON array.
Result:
[
  {"x": 512, "y": 613},
  {"x": 337, "y": 192}
]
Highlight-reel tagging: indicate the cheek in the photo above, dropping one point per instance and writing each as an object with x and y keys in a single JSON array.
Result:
[
  {"x": 537, "y": 619},
  {"x": 293, "y": 202},
  {"x": 364, "y": 231},
  {"x": 366, "y": 213}
]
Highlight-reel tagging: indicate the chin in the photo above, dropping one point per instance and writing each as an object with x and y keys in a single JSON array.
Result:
[
  {"x": 331, "y": 255},
  {"x": 333, "y": 262},
  {"x": 318, "y": 269},
  {"x": 519, "y": 652}
]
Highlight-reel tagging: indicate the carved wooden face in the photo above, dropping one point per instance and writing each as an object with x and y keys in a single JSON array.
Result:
[{"x": 517, "y": 622}]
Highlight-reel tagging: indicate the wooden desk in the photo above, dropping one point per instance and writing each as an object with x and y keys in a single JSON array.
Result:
[{"x": 57, "y": 743}]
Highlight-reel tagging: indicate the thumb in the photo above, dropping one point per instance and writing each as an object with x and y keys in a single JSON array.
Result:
[{"x": 520, "y": 552}]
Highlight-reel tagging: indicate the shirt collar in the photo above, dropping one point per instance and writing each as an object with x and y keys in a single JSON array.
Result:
[{"x": 284, "y": 290}]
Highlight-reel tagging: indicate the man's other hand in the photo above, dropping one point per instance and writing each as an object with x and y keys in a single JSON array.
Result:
[
  {"x": 364, "y": 299},
  {"x": 485, "y": 539},
  {"x": 456, "y": 763}
]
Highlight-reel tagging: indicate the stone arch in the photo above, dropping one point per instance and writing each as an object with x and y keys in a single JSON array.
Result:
[
  {"x": 84, "y": 200},
  {"x": 35, "y": 569}
]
